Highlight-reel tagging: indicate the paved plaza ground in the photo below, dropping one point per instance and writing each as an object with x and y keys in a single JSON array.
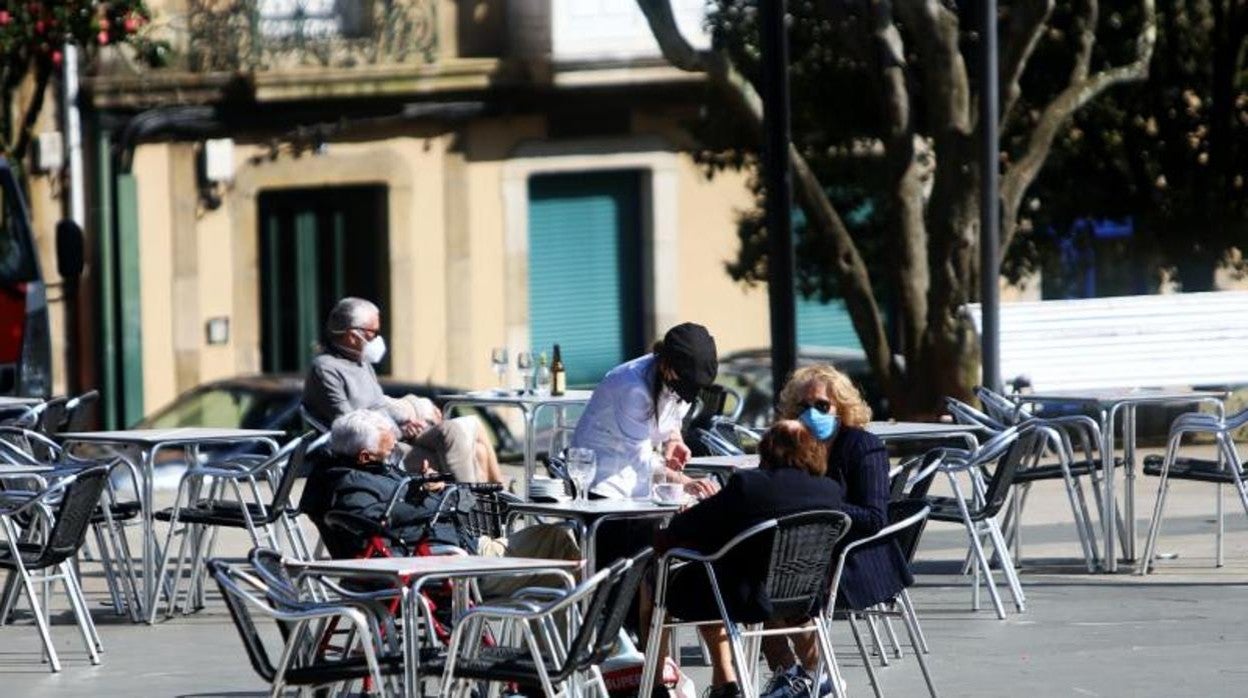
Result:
[{"x": 1182, "y": 631}]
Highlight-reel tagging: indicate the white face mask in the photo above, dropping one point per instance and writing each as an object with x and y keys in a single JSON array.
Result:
[
  {"x": 670, "y": 408},
  {"x": 374, "y": 351}
]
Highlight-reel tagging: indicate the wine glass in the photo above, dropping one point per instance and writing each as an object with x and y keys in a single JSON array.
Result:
[
  {"x": 498, "y": 358},
  {"x": 582, "y": 464},
  {"x": 524, "y": 364}
]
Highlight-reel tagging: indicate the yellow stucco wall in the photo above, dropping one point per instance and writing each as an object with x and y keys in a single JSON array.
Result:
[{"x": 453, "y": 274}]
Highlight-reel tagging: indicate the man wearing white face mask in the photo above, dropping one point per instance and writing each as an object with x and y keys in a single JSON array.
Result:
[{"x": 341, "y": 379}]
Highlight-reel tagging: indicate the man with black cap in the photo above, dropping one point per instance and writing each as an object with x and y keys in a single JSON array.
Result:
[{"x": 633, "y": 419}]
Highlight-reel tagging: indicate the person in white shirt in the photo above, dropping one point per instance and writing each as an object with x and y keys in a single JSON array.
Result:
[{"x": 633, "y": 420}]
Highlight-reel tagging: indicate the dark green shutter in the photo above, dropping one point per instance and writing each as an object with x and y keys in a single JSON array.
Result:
[
  {"x": 585, "y": 270},
  {"x": 825, "y": 324}
]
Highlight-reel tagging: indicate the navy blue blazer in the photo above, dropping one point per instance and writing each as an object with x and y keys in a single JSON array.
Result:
[{"x": 876, "y": 573}]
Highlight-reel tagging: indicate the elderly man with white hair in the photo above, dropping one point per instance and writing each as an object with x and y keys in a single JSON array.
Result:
[
  {"x": 341, "y": 379},
  {"x": 357, "y": 477}
]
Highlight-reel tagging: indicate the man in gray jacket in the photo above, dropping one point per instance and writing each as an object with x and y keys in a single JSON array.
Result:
[{"x": 342, "y": 379}]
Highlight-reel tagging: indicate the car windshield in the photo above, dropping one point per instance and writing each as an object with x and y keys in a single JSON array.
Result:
[
  {"x": 221, "y": 407},
  {"x": 17, "y": 259}
]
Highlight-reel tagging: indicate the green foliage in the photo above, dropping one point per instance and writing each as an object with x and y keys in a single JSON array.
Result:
[
  {"x": 32, "y": 36},
  {"x": 1170, "y": 154}
]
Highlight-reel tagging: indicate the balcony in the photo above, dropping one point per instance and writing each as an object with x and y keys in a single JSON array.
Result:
[
  {"x": 595, "y": 31},
  {"x": 269, "y": 35}
]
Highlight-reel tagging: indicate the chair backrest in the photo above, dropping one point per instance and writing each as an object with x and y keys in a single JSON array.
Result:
[
  {"x": 312, "y": 422},
  {"x": 80, "y": 411},
  {"x": 916, "y": 476},
  {"x": 617, "y": 604},
  {"x": 1024, "y": 449},
  {"x": 908, "y": 536},
  {"x": 489, "y": 511},
  {"x": 966, "y": 414},
  {"x": 1002, "y": 408},
  {"x": 271, "y": 569},
  {"x": 290, "y": 473},
  {"x": 800, "y": 563},
  {"x": 51, "y": 421},
  {"x": 73, "y": 516},
  {"x": 907, "y": 518},
  {"x": 239, "y": 603},
  {"x": 607, "y": 610}
]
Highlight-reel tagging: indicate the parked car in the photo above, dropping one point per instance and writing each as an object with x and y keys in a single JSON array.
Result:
[
  {"x": 747, "y": 373},
  {"x": 272, "y": 402}
]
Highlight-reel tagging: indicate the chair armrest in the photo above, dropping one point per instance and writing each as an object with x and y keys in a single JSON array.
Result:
[
  {"x": 696, "y": 556},
  {"x": 383, "y": 594}
]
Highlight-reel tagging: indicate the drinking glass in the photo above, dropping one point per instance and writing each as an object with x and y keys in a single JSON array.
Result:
[
  {"x": 498, "y": 357},
  {"x": 582, "y": 464},
  {"x": 524, "y": 364},
  {"x": 662, "y": 491}
]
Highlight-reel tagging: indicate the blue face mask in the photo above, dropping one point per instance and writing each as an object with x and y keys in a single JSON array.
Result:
[{"x": 822, "y": 424}]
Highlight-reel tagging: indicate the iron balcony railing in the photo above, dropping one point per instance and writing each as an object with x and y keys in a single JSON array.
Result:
[{"x": 261, "y": 35}]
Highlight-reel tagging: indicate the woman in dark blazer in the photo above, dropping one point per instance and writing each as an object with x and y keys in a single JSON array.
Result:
[{"x": 826, "y": 401}]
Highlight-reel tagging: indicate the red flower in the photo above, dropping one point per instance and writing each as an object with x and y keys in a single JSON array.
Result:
[
  {"x": 102, "y": 37},
  {"x": 5, "y": 17},
  {"x": 57, "y": 58}
]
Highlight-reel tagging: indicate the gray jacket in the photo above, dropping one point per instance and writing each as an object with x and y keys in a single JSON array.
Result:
[{"x": 337, "y": 385}]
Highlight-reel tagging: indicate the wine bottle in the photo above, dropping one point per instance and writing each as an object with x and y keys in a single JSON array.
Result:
[{"x": 558, "y": 378}]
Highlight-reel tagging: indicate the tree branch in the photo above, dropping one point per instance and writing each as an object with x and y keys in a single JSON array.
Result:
[
  {"x": 1026, "y": 25},
  {"x": 1019, "y": 176},
  {"x": 934, "y": 29},
  {"x": 1085, "y": 24},
  {"x": 821, "y": 216},
  {"x": 43, "y": 72}
]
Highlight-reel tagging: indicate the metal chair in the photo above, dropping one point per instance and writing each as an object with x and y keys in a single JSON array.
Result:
[
  {"x": 1009, "y": 451},
  {"x": 1227, "y": 469},
  {"x": 799, "y": 570},
  {"x": 244, "y": 594},
  {"x": 1064, "y": 466},
  {"x": 908, "y": 519},
  {"x": 79, "y": 411},
  {"x": 549, "y": 657},
  {"x": 50, "y": 542},
  {"x": 251, "y": 514}
]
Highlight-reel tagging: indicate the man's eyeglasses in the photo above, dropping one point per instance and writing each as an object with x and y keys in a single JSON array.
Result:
[
  {"x": 824, "y": 406},
  {"x": 368, "y": 332}
]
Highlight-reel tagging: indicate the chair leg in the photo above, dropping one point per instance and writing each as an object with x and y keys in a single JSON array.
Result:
[
  {"x": 90, "y": 639},
  {"x": 41, "y": 620},
  {"x": 892, "y": 634},
  {"x": 972, "y": 532},
  {"x": 908, "y": 608},
  {"x": 875, "y": 638},
  {"x": 1007, "y": 565},
  {"x": 829, "y": 653},
  {"x": 1163, "y": 488},
  {"x": 912, "y": 629},
  {"x": 866, "y": 661}
]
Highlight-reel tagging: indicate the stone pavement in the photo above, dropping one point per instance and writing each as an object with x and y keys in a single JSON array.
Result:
[{"x": 1178, "y": 632}]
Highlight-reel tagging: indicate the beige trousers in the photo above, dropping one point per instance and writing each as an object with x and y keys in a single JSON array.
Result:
[{"x": 547, "y": 541}]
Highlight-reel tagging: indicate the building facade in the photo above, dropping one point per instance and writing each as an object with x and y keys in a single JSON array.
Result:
[{"x": 492, "y": 173}]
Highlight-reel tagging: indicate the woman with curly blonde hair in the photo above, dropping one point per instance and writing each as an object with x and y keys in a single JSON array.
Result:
[{"x": 826, "y": 401}]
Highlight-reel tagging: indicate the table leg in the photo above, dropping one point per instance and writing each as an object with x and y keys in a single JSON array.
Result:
[
  {"x": 1128, "y": 488},
  {"x": 408, "y": 612},
  {"x": 530, "y": 457},
  {"x": 1110, "y": 562},
  {"x": 150, "y": 589}
]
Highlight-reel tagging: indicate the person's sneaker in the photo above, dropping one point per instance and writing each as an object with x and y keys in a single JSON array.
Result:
[
  {"x": 793, "y": 682},
  {"x": 825, "y": 686},
  {"x": 728, "y": 690}
]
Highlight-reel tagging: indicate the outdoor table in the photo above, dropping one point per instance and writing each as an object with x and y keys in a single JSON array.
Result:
[
  {"x": 149, "y": 442},
  {"x": 896, "y": 432},
  {"x": 412, "y": 573},
  {"x": 1110, "y": 403},
  {"x": 529, "y": 404},
  {"x": 722, "y": 467},
  {"x": 589, "y": 515}
]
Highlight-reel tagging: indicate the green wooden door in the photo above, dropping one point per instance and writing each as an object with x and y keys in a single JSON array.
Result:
[
  {"x": 585, "y": 269},
  {"x": 306, "y": 265}
]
